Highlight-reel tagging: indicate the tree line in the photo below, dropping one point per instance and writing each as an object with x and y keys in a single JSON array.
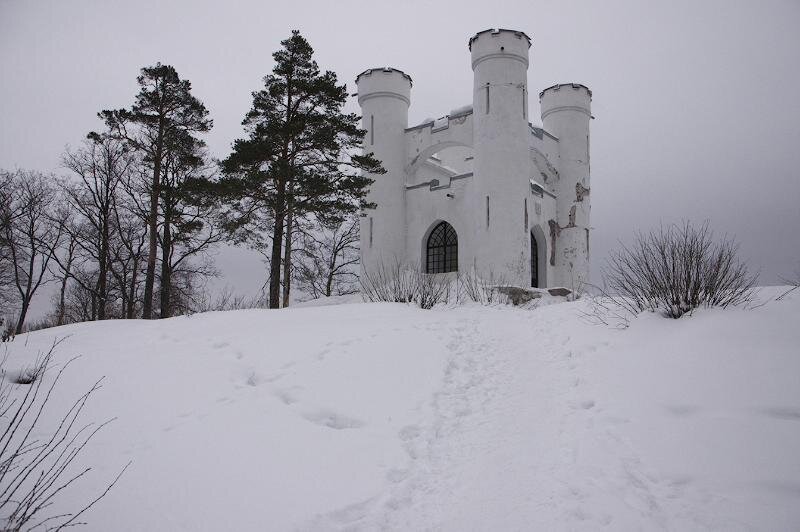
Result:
[{"x": 130, "y": 230}]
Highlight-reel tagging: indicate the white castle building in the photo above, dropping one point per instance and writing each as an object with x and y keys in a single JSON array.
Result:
[{"x": 481, "y": 189}]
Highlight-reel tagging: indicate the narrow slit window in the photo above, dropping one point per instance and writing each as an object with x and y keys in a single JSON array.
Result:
[
  {"x": 372, "y": 129},
  {"x": 526, "y": 213},
  {"x": 487, "y": 98},
  {"x": 370, "y": 231},
  {"x": 487, "y": 211},
  {"x": 524, "y": 102},
  {"x": 587, "y": 241}
]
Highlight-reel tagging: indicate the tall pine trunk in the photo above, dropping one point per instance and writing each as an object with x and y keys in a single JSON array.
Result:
[
  {"x": 152, "y": 250},
  {"x": 287, "y": 257},
  {"x": 166, "y": 270},
  {"x": 277, "y": 245}
]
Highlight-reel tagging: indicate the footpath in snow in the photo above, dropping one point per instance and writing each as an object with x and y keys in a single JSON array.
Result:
[{"x": 385, "y": 416}]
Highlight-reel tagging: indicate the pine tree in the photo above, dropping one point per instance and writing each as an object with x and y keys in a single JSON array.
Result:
[
  {"x": 186, "y": 231},
  {"x": 299, "y": 156},
  {"x": 163, "y": 114}
]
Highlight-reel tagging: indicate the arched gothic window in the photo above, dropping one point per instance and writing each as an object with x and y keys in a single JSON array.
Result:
[{"x": 442, "y": 249}]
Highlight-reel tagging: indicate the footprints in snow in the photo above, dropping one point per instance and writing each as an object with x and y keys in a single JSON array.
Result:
[
  {"x": 782, "y": 412},
  {"x": 288, "y": 396},
  {"x": 681, "y": 410},
  {"x": 333, "y": 420},
  {"x": 785, "y": 413}
]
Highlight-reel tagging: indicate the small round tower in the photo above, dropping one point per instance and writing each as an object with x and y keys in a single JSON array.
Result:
[
  {"x": 502, "y": 152},
  {"x": 384, "y": 95},
  {"x": 566, "y": 111}
]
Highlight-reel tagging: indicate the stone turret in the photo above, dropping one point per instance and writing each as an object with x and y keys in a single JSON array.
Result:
[
  {"x": 566, "y": 111},
  {"x": 502, "y": 150},
  {"x": 384, "y": 95}
]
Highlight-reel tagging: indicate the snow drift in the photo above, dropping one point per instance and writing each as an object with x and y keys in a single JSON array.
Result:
[{"x": 370, "y": 416}]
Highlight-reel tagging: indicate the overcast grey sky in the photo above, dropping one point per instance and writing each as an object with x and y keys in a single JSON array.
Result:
[{"x": 696, "y": 102}]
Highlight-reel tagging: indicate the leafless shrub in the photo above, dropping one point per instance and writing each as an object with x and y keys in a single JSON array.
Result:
[
  {"x": 227, "y": 299},
  {"x": 675, "y": 270},
  {"x": 6, "y": 331},
  {"x": 400, "y": 284},
  {"x": 36, "y": 464},
  {"x": 432, "y": 289},
  {"x": 604, "y": 310},
  {"x": 482, "y": 288},
  {"x": 793, "y": 282},
  {"x": 386, "y": 283}
]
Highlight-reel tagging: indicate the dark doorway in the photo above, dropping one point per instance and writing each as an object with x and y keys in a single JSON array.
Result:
[{"x": 534, "y": 262}]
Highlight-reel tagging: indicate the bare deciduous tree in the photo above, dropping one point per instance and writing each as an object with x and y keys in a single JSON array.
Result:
[
  {"x": 327, "y": 260},
  {"x": 6, "y": 215},
  {"x": 31, "y": 236},
  {"x": 100, "y": 166},
  {"x": 65, "y": 256},
  {"x": 128, "y": 255}
]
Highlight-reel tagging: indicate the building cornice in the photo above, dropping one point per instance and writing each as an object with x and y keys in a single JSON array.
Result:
[
  {"x": 577, "y": 108},
  {"x": 501, "y": 55},
  {"x": 433, "y": 184},
  {"x": 383, "y": 94}
]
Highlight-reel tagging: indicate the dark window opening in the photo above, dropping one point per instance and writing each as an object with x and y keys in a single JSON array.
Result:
[
  {"x": 525, "y": 201},
  {"x": 534, "y": 262},
  {"x": 442, "y": 249},
  {"x": 524, "y": 102}
]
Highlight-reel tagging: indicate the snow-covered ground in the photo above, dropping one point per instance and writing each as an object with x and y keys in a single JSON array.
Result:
[{"x": 384, "y": 416}]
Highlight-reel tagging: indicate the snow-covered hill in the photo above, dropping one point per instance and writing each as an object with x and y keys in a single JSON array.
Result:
[{"x": 384, "y": 416}]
